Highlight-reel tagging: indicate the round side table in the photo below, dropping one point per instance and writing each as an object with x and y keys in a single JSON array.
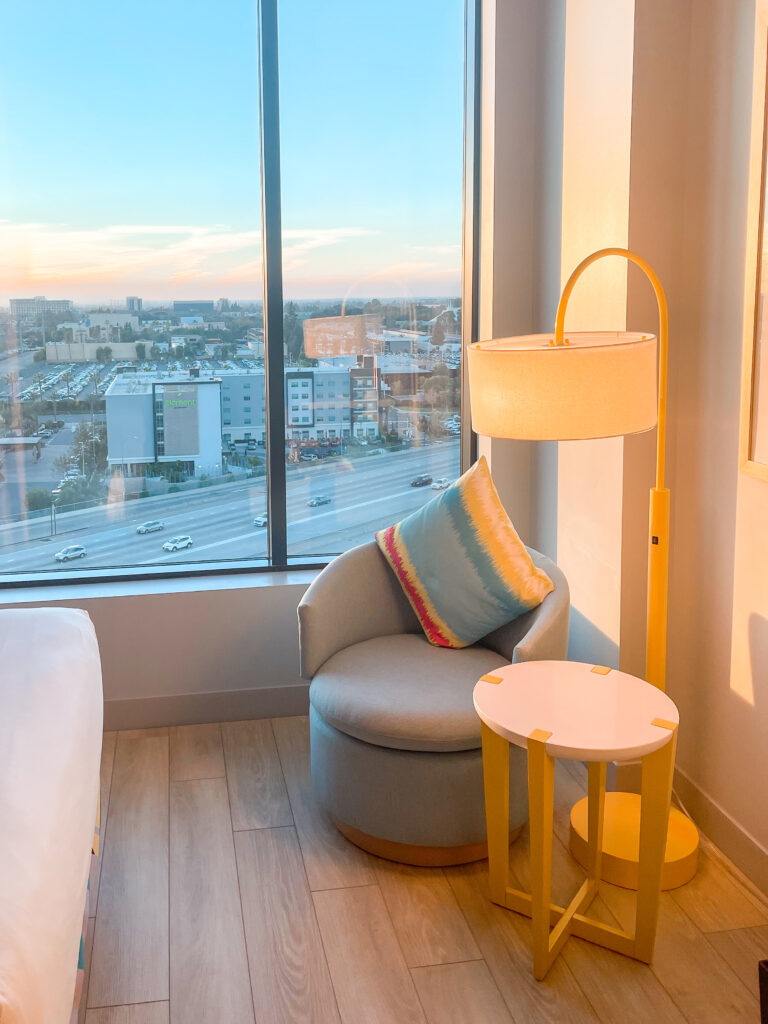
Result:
[{"x": 585, "y": 713}]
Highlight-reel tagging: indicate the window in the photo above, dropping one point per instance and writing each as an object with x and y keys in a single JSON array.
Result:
[{"x": 111, "y": 412}]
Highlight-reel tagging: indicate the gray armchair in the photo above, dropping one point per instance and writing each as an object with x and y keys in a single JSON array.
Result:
[{"x": 395, "y": 740}]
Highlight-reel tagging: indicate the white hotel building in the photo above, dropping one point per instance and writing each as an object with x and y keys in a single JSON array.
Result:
[{"x": 147, "y": 421}]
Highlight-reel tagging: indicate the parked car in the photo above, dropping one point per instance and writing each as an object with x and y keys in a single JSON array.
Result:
[
  {"x": 441, "y": 483},
  {"x": 321, "y": 499},
  {"x": 261, "y": 520},
  {"x": 423, "y": 480},
  {"x": 151, "y": 527},
  {"x": 308, "y": 457},
  {"x": 177, "y": 543},
  {"x": 71, "y": 551}
]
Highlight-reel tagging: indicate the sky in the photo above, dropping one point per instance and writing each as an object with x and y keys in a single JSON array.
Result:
[{"x": 129, "y": 152}]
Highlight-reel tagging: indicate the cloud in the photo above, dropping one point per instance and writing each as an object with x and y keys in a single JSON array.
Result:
[
  {"x": 84, "y": 263},
  {"x": 33, "y": 255}
]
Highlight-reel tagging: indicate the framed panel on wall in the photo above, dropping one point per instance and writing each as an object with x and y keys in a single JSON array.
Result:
[{"x": 753, "y": 444}]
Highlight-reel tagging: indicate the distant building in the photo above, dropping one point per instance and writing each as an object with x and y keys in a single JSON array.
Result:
[
  {"x": 194, "y": 307},
  {"x": 364, "y": 398},
  {"x": 121, "y": 320},
  {"x": 133, "y": 304},
  {"x": 223, "y": 305},
  {"x": 154, "y": 420},
  {"x": 29, "y": 309}
]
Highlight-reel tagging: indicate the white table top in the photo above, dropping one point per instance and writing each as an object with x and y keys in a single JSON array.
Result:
[{"x": 591, "y": 715}]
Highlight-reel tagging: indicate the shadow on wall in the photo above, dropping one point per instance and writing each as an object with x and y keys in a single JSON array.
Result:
[
  {"x": 754, "y": 690},
  {"x": 588, "y": 643}
]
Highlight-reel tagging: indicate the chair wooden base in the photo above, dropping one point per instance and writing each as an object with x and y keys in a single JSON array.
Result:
[{"x": 419, "y": 856}]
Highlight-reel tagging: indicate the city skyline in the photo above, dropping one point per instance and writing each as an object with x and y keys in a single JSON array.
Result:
[{"x": 154, "y": 188}]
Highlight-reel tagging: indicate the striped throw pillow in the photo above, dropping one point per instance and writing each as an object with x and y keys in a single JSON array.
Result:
[{"x": 461, "y": 563}]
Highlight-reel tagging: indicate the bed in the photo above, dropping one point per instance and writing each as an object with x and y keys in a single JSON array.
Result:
[{"x": 50, "y": 747}]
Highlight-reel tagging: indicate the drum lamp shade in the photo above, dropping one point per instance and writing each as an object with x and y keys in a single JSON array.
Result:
[{"x": 596, "y": 384}]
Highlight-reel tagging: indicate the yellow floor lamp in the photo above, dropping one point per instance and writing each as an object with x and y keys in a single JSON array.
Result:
[{"x": 578, "y": 386}]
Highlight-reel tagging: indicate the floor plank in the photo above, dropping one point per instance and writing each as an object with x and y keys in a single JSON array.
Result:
[
  {"x": 107, "y": 764},
  {"x": 504, "y": 939},
  {"x": 742, "y": 948},
  {"x": 460, "y": 994},
  {"x": 257, "y": 793},
  {"x": 130, "y": 945},
  {"x": 289, "y": 973},
  {"x": 331, "y": 862},
  {"x": 87, "y": 954},
  {"x": 697, "y": 978},
  {"x": 622, "y": 991},
  {"x": 369, "y": 974},
  {"x": 196, "y": 752},
  {"x": 428, "y": 922},
  {"x": 209, "y": 967},
  {"x": 715, "y": 900},
  {"x": 139, "y": 1013},
  {"x": 143, "y": 734}
]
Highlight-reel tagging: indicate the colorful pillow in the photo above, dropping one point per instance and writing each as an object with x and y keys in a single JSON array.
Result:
[{"x": 461, "y": 563}]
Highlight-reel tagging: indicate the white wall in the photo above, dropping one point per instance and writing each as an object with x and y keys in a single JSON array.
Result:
[
  {"x": 206, "y": 649},
  {"x": 655, "y": 154}
]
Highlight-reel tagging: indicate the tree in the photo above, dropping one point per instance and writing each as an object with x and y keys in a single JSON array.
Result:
[
  {"x": 141, "y": 351},
  {"x": 37, "y": 498},
  {"x": 100, "y": 355},
  {"x": 68, "y": 379},
  {"x": 438, "y": 332},
  {"x": 107, "y": 354},
  {"x": 156, "y": 352},
  {"x": 74, "y": 492},
  {"x": 436, "y": 390},
  {"x": 39, "y": 380},
  {"x": 293, "y": 333},
  {"x": 93, "y": 379}
]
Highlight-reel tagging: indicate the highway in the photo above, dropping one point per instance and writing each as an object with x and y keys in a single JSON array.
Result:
[{"x": 367, "y": 493}]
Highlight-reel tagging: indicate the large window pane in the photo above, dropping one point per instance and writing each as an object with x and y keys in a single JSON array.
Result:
[
  {"x": 131, "y": 391},
  {"x": 371, "y": 123}
]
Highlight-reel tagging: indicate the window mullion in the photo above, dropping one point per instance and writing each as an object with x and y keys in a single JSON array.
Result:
[{"x": 269, "y": 124}]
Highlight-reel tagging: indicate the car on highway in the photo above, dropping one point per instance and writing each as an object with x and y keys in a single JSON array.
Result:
[
  {"x": 177, "y": 543},
  {"x": 151, "y": 526},
  {"x": 261, "y": 520},
  {"x": 441, "y": 483},
  {"x": 422, "y": 480},
  {"x": 308, "y": 457},
  {"x": 321, "y": 499},
  {"x": 71, "y": 551}
]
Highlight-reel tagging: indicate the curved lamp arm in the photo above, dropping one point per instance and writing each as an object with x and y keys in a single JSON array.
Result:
[
  {"x": 658, "y": 552},
  {"x": 661, "y": 301}
]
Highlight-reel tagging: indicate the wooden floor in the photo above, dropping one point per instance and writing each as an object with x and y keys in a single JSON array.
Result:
[{"x": 226, "y": 897}]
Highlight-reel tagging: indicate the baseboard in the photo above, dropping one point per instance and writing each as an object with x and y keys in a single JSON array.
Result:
[
  {"x": 215, "y": 706},
  {"x": 736, "y": 843}
]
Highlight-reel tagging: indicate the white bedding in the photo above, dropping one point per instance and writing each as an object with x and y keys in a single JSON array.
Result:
[{"x": 50, "y": 746}]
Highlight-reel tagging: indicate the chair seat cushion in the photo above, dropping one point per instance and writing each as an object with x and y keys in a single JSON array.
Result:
[{"x": 402, "y": 692}]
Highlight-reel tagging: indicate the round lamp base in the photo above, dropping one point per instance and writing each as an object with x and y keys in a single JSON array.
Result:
[{"x": 621, "y": 842}]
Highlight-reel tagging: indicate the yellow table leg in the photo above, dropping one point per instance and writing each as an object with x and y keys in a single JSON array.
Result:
[
  {"x": 496, "y": 784},
  {"x": 655, "y": 795},
  {"x": 541, "y": 795},
  {"x": 596, "y": 817}
]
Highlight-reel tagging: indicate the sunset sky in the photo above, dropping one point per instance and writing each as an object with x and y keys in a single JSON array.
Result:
[{"x": 129, "y": 159}]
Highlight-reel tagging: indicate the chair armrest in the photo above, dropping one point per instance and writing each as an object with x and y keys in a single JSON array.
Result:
[
  {"x": 541, "y": 634},
  {"x": 355, "y": 598}
]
